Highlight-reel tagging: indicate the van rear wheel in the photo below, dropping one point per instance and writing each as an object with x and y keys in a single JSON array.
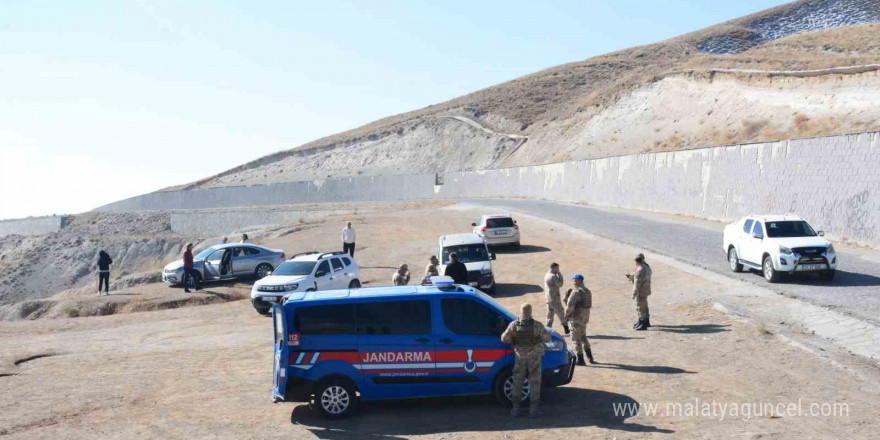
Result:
[
  {"x": 503, "y": 389},
  {"x": 335, "y": 398}
]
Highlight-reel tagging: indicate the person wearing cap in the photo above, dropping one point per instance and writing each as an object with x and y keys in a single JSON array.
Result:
[
  {"x": 433, "y": 267},
  {"x": 641, "y": 280},
  {"x": 579, "y": 301},
  {"x": 401, "y": 277},
  {"x": 527, "y": 337},
  {"x": 553, "y": 281}
]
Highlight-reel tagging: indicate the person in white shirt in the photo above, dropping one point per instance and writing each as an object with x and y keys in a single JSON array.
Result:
[
  {"x": 244, "y": 238},
  {"x": 348, "y": 237}
]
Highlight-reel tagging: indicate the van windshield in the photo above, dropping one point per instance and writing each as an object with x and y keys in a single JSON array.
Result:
[
  {"x": 467, "y": 253},
  {"x": 295, "y": 268},
  {"x": 790, "y": 229}
]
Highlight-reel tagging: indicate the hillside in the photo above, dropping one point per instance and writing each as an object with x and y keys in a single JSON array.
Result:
[{"x": 739, "y": 81}]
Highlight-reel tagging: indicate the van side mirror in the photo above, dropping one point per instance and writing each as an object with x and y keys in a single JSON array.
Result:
[
  {"x": 821, "y": 233},
  {"x": 492, "y": 256},
  {"x": 474, "y": 224}
]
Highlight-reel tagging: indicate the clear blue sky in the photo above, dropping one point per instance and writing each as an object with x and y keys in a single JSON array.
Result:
[{"x": 103, "y": 100}]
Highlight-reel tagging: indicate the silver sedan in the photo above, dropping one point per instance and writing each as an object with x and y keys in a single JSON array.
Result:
[{"x": 228, "y": 261}]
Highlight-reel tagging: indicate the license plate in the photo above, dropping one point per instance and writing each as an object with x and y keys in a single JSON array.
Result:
[
  {"x": 500, "y": 232},
  {"x": 811, "y": 267},
  {"x": 270, "y": 298},
  {"x": 473, "y": 283}
]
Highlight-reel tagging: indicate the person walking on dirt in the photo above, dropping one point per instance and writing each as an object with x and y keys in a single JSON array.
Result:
[
  {"x": 527, "y": 337},
  {"x": 641, "y": 280},
  {"x": 553, "y": 281},
  {"x": 189, "y": 270},
  {"x": 104, "y": 262},
  {"x": 244, "y": 238},
  {"x": 401, "y": 276},
  {"x": 348, "y": 239},
  {"x": 456, "y": 270},
  {"x": 579, "y": 301}
]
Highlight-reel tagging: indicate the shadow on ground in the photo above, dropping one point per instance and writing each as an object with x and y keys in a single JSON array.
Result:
[
  {"x": 698, "y": 329},
  {"x": 503, "y": 290},
  {"x": 655, "y": 369},
  {"x": 842, "y": 278},
  {"x": 612, "y": 337},
  {"x": 524, "y": 249},
  {"x": 563, "y": 408}
]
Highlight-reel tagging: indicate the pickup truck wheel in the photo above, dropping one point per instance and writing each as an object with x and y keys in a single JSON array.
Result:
[
  {"x": 770, "y": 274},
  {"x": 733, "y": 258}
]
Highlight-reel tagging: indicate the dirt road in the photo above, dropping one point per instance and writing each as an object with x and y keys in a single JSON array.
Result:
[{"x": 204, "y": 372}]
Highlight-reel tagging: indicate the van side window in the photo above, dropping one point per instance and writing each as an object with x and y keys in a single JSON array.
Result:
[
  {"x": 337, "y": 319},
  {"x": 394, "y": 318},
  {"x": 747, "y": 227},
  {"x": 337, "y": 265},
  {"x": 465, "y": 317}
]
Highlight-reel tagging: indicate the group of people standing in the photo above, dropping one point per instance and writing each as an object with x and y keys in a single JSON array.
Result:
[{"x": 528, "y": 336}]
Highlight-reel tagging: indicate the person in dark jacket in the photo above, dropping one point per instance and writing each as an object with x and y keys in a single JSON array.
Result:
[
  {"x": 189, "y": 270},
  {"x": 104, "y": 262},
  {"x": 456, "y": 270}
]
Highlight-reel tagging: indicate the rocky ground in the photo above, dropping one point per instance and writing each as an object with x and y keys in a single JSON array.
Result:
[{"x": 205, "y": 372}]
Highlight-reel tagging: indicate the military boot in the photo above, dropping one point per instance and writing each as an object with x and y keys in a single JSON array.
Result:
[
  {"x": 514, "y": 412},
  {"x": 590, "y": 356},
  {"x": 641, "y": 325},
  {"x": 580, "y": 360},
  {"x": 637, "y": 323},
  {"x": 535, "y": 411},
  {"x": 567, "y": 330}
]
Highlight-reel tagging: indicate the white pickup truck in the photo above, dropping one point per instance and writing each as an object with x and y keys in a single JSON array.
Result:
[{"x": 778, "y": 244}]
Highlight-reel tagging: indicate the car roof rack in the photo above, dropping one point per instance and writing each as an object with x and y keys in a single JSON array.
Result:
[
  {"x": 320, "y": 257},
  {"x": 302, "y": 253}
]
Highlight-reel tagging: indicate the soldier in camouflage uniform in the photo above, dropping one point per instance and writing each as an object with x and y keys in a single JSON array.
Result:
[
  {"x": 577, "y": 311},
  {"x": 641, "y": 280},
  {"x": 528, "y": 337},
  {"x": 401, "y": 277},
  {"x": 552, "y": 283}
]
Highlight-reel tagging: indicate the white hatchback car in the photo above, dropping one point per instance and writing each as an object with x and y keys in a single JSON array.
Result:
[
  {"x": 497, "y": 230},
  {"x": 306, "y": 272}
]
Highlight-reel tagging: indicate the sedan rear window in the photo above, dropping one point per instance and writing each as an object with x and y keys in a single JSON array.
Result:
[{"x": 505, "y": 222}]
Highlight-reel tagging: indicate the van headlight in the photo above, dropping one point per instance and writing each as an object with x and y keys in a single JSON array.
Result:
[
  {"x": 554, "y": 345},
  {"x": 784, "y": 250}
]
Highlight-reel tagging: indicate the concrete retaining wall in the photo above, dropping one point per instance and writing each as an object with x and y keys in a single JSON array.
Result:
[
  {"x": 227, "y": 221},
  {"x": 353, "y": 189},
  {"x": 32, "y": 225},
  {"x": 834, "y": 182}
]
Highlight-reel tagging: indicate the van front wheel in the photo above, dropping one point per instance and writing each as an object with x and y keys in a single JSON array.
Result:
[
  {"x": 503, "y": 389},
  {"x": 335, "y": 398}
]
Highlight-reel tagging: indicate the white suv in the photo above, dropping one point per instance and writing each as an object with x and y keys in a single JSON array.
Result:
[
  {"x": 498, "y": 229},
  {"x": 306, "y": 272},
  {"x": 777, "y": 244}
]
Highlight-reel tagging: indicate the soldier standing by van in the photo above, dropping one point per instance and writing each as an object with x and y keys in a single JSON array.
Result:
[
  {"x": 401, "y": 277},
  {"x": 527, "y": 337},
  {"x": 641, "y": 280},
  {"x": 577, "y": 310},
  {"x": 553, "y": 281},
  {"x": 433, "y": 267},
  {"x": 104, "y": 262}
]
